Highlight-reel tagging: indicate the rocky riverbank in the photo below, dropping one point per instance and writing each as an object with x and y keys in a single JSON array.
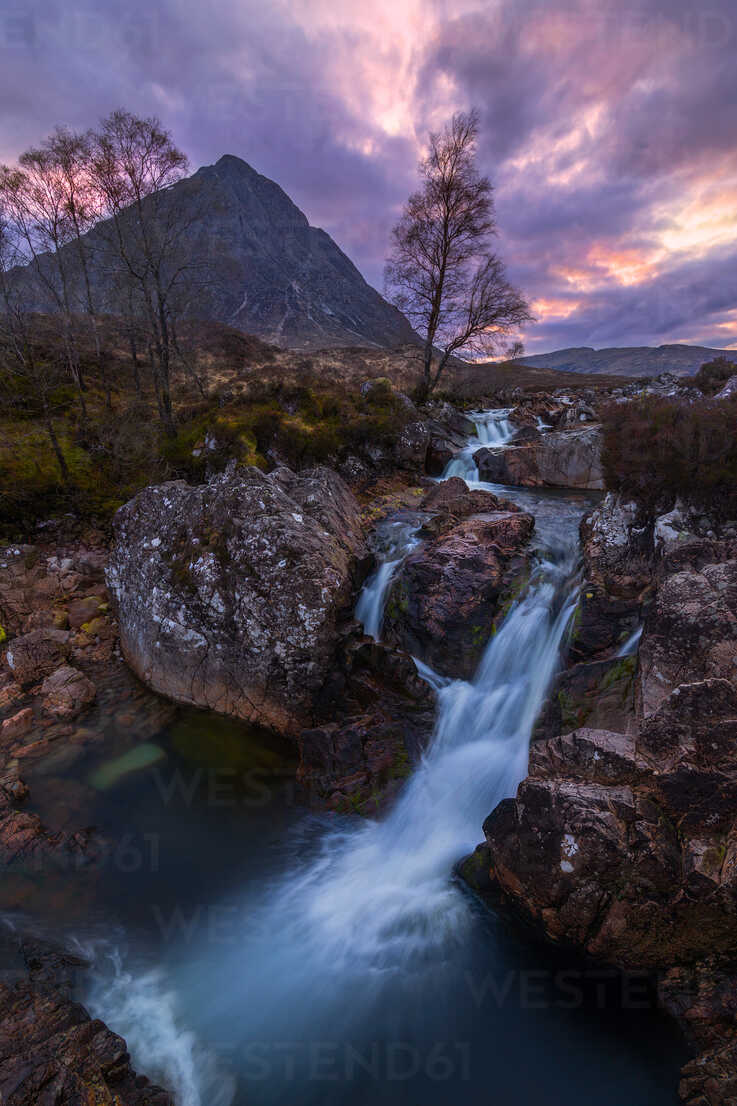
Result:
[{"x": 622, "y": 841}]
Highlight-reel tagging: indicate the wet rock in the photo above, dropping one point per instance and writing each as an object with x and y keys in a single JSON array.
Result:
[
  {"x": 453, "y": 497},
  {"x": 378, "y": 722},
  {"x": 446, "y": 597},
  {"x": 67, "y": 692},
  {"x": 37, "y": 654},
  {"x": 618, "y": 554},
  {"x": 18, "y": 725},
  {"x": 596, "y": 694},
  {"x": 560, "y": 459},
  {"x": 52, "y": 1051},
  {"x": 229, "y": 594}
]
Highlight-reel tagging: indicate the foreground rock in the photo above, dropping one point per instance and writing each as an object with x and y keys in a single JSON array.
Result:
[
  {"x": 229, "y": 594},
  {"x": 449, "y": 592},
  {"x": 560, "y": 459},
  {"x": 52, "y": 1051}
]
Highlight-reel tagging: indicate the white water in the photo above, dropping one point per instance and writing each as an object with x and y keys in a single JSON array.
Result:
[
  {"x": 393, "y": 541},
  {"x": 492, "y": 429},
  {"x": 364, "y": 904},
  {"x": 630, "y": 646}
]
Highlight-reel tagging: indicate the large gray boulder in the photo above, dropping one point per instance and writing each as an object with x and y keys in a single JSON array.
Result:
[
  {"x": 560, "y": 459},
  {"x": 228, "y": 594}
]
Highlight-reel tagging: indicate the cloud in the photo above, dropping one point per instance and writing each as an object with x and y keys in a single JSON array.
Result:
[{"x": 608, "y": 128}]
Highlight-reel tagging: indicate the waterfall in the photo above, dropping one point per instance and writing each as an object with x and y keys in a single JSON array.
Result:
[
  {"x": 629, "y": 648},
  {"x": 371, "y": 906},
  {"x": 392, "y": 542},
  {"x": 493, "y": 428}
]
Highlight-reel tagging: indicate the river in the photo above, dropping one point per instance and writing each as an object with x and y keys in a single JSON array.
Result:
[{"x": 269, "y": 956}]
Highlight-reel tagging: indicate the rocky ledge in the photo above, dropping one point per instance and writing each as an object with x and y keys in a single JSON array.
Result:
[
  {"x": 52, "y": 1051},
  {"x": 622, "y": 841}
]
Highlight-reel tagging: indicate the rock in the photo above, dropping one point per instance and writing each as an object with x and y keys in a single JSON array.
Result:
[
  {"x": 526, "y": 434},
  {"x": 17, "y": 726},
  {"x": 9, "y": 692},
  {"x": 729, "y": 390},
  {"x": 454, "y": 497},
  {"x": 597, "y": 694},
  {"x": 379, "y": 722},
  {"x": 617, "y": 541},
  {"x": 67, "y": 692},
  {"x": 691, "y": 630},
  {"x": 411, "y": 445},
  {"x": 32, "y": 656},
  {"x": 228, "y": 594},
  {"x": 560, "y": 459},
  {"x": 52, "y": 1051},
  {"x": 440, "y": 451},
  {"x": 445, "y": 598},
  {"x": 618, "y": 557},
  {"x": 84, "y": 610}
]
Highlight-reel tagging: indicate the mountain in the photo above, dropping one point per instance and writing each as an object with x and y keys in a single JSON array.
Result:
[
  {"x": 628, "y": 360},
  {"x": 261, "y": 267}
]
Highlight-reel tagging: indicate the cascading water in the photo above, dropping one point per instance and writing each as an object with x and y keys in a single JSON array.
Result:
[
  {"x": 393, "y": 541},
  {"x": 363, "y": 944},
  {"x": 492, "y": 429}
]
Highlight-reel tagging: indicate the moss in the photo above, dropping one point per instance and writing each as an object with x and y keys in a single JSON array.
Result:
[
  {"x": 3, "y": 635},
  {"x": 401, "y": 766},
  {"x": 622, "y": 670},
  {"x": 573, "y": 713}
]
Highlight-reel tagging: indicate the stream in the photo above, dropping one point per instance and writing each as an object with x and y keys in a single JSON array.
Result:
[{"x": 272, "y": 956}]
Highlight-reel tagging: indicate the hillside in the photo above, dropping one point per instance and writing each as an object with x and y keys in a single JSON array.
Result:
[{"x": 627, "y": 360}]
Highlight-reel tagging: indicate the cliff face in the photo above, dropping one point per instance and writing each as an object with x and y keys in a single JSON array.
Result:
[{"x": 252, "y": 261}]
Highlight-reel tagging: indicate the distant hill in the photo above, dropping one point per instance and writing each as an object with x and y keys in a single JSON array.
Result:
[
  {"x": 628, "y": 360},
  {"x": 264, "y": 269}
]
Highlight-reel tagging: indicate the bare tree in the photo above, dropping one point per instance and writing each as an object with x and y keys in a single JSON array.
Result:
[
  {"x": 133, "y": 165},
  {"x": 37, "y": 218},
  {"x": 68, "y": 153},
  {"x": 26, "y": 376},
  {"x": 441, "y": 271}
]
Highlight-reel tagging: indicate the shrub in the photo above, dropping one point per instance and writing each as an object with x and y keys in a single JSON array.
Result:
[
  {"x": 712, "y": 376},
  {"x": 656, "y": 449}
]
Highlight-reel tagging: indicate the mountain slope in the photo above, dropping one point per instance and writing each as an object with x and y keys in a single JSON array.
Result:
[
  {"x": 259, "y": 266},
  {"x": 280, "y": 278},
  {"x": 628, "y": 360}
]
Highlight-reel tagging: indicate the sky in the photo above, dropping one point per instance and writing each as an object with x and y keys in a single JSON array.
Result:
[{"x": 608, "y": 128}]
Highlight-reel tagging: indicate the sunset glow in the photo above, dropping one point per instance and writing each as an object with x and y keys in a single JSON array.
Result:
[{"x": 615, "y": 176}]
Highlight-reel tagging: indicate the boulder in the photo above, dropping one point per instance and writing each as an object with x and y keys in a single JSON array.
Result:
[
  {"x": 67, "y": 692},
  {"x": 446, "y": 597},
  {"x": 228, "y": 594},
  {"x": 560, "y": 459},
  {"x": 37, "y": 654}
]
